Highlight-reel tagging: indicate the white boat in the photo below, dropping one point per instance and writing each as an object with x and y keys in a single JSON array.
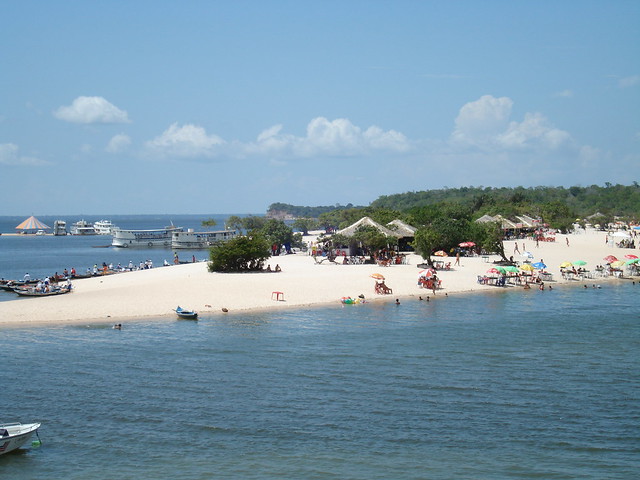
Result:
[
  {"x": 160, "y": 237},
  {"x": 14, "y": 435},
  {"x": 82, "y": 227},
  {"x": 59, "y": 227},
  {"x": 195, "y": 240},
  {"x": 104, "y": 227}
]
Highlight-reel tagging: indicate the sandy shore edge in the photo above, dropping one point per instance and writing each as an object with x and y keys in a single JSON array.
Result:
[{"x": 153, "y": 294}]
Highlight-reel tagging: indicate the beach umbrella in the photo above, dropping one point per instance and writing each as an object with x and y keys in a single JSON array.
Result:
[
  {"x": 497, "y": 270},
  {"x": 377, "y": 276},
  {"x": 32, "y": 223},
  {"x": 539, "y": 265},
  {"x": 527, "y": 267},
  {"x": 617, "y": 264},
  {"x": 511, "y": 269},
  {"x": 440, "y": 253},
  {"x": 466, "y": 244},
  {"x": 427, "y": 272},
  {"x": 631, "y": 256},
  {"x": 632, "y": 261},
  {"x": 565, "y": 264},
  {"x": 610, "y": 259},
  {"x": 527, "y": 254},
  {"x": 579, "y": 263}
]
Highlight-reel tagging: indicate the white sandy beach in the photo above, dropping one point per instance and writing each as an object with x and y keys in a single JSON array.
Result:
[{"x": 156, "y": 292}]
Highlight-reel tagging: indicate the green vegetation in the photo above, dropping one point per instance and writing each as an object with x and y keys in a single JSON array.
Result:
[
  {"x": 209, "y": 223},
  {"x": 240, "y": 254},
  {"x": 297, "y": 211}
]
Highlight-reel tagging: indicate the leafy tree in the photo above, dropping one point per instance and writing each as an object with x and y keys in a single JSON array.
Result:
[
  {"x": 239, "y": 254},
  {"x": 304, "y": 225},
  {"x": 234, "y": 222},
  {"x": 209, "y": 223},
  {"x": 491, "y": 238},
  {"x": 276, "y": 231},
  {"x": 425, "y": 243}
]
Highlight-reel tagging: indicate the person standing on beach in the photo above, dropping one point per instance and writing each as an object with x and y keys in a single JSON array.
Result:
[
  {"x": 457, "y": 259},
  {"x": 567, "y": 239}
]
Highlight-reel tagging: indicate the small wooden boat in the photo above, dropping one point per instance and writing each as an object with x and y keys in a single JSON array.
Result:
[
  {"x": 32, "y": 292},
  {"x": 186, "y": 314},
  {"x": 14, "y": 435}
]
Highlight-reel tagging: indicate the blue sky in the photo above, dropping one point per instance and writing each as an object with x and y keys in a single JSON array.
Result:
[{"x": 226, "y": 107}]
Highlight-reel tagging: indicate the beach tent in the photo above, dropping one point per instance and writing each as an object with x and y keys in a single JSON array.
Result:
[
  {"x": 32, "y": 224},
  {"x": 366, "y": 221}
]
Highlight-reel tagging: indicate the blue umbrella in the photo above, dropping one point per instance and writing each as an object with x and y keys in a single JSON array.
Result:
[{"x": 539, "y": 265}]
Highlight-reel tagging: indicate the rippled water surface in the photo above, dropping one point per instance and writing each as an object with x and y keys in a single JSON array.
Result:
[{"x": 512, "y": 385}]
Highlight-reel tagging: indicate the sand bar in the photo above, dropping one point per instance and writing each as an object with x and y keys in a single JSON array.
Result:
[{"x": 156, "y": 292}]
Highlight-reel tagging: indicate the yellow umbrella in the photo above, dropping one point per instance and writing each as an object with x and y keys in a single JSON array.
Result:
[
  {"x": 527, "y": 267},
  {"x": 377, "y": 276},
  {"x": 566, "y": 264},
  {"x": 617, "y": 264},
  {"x": 441, "y": 253}
]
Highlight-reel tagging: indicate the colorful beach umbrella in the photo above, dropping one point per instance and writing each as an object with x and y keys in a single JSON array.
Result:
[
  {"x": 32, "y": 223},
  {"x": 610, "y": 259},
  {"x": 526, "y": 267},
  {"x": 565, "y": 264},
  {"x": 511, "y": 269},
  {"x": 466, "y": 244},
  {"x": 579, "y": 263},
  {"x": 632, "y": 261},
  {"x": 440, "y": 253},
  {"x": 539, "y": 265},
  {"x": 427, "y": 272},
  {"x": 497, "y": 270},
  {"x": 631, "y": 256},
  {"x": 527, "y": 254},
  {"x": 617, "y": 264},
  {"x": 377, "y": 276}
]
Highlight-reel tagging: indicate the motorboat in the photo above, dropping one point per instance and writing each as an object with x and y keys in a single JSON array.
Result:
[
  {"x": 186, "y": 314},
  {"x": 59, "y": 227},
  {"x": 160, "y": 237},
  {"x": 14, "y": 435},
  {"x": 104, "y": 227}
]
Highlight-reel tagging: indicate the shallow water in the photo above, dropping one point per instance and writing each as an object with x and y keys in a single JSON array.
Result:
[{"x": 523, "y": 384}]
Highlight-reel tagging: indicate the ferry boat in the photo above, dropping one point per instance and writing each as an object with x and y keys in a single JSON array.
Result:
[
  {"x": 59, "y": 227},
  {"x": 196, "y": 240},
  {"x": 104, "y": 227},
  {"x": 82, "y": 227},
  {"x": 160, "y": 237}
]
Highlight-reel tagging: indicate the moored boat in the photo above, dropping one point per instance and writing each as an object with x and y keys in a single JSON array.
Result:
[
  {"x": 160, "y": 237},
  {"x": 82, "y": 227},
  {"x": 186, "y": 314},
  {"x": 34, "y": 292},
  {"x": 104, "y": 227},
  {"x": 194, "y": 240},
  {"x": 14, "y": 435}
]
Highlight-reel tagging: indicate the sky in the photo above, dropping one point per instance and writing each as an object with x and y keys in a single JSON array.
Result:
[{"x": 134, "y": 107}]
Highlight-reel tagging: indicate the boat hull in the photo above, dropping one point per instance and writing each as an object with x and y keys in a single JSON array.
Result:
[{"x": 15, "y": 435}]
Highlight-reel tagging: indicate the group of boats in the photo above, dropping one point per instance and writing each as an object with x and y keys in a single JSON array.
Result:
[
  {"x": 169, "y": 237},
  {"x": 15, "y": 435},
  {"x": 82, "y": 227},
  {"x": 35, "y": 288}
]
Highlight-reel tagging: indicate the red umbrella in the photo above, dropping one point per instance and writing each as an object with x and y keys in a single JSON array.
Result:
[
  {"x": 466, "y": 244},
  {"x": 427, "y": 272},
  {"x": 630, "y": 256},
  {"x": 610, "y": 259}
]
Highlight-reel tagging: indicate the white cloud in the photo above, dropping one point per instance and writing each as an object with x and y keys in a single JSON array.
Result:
[
  {"x": 9, "y": 155},
  {"x": 88, "y": 110},
  {"x": 118, "y": 143},
  {"x": 485, "y": 124},
  {"x": 324, "y": 137},
  {"x": 481, "y": 121},
  {"x": 186, "y": 141},
  {"x": 629, "y": 81}
]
